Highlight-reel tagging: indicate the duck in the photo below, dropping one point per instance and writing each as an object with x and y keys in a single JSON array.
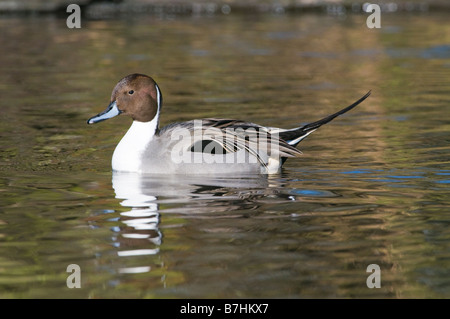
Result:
[{"x": 212, "y": 146}]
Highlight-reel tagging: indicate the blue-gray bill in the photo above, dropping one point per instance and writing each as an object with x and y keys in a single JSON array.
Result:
[{"x": 110, "y": 112}]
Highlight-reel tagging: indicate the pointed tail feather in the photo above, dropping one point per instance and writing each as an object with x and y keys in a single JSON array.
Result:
[{"x": 294, "y": 136}]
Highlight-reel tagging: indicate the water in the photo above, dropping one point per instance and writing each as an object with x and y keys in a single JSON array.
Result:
[{"x": 371, "y": 188}]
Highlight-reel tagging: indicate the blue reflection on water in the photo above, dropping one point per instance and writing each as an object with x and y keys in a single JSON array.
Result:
[
  {"x": 403, "y": 176},
  {"x": 434, "y": 52},
  {"x": 308, "y": 192},
  {"x": 358, "y": 171}
]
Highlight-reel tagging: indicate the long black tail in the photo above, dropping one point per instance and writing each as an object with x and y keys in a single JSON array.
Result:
[{"x": 294, "y": 136}]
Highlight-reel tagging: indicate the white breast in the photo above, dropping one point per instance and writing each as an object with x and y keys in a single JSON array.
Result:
[{"x": 128, "y": 155}]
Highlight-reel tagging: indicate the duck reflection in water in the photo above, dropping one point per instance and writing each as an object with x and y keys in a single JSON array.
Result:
[{"x": 144, "y": 194}]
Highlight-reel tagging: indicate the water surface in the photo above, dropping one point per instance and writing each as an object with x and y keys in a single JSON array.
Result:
[{"x": 371, "y": 188}]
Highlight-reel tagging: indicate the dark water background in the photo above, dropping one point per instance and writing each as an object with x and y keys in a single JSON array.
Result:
[{"x": 371, "y": 188}]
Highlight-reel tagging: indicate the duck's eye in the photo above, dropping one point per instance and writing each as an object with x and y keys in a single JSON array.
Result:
[{"x": 130, "y": 92}]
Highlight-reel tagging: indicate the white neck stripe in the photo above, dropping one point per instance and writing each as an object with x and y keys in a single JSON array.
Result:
[{"x": 158, "y": 97}]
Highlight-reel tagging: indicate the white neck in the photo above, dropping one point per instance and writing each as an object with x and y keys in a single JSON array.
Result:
[{"x": 128, "y": 153}]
